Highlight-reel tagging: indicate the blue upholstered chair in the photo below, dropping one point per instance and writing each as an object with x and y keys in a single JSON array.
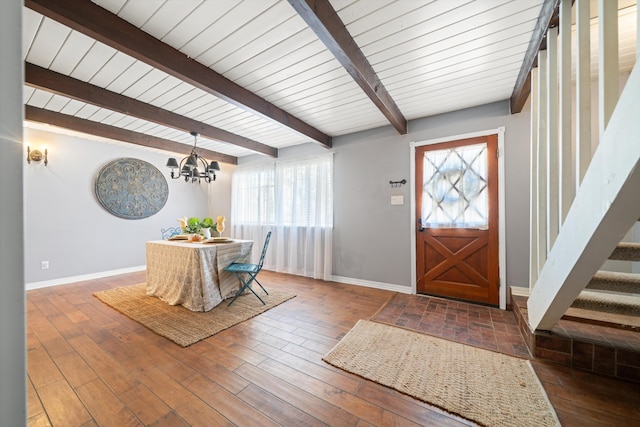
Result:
[{"x": 247, "y": 273}]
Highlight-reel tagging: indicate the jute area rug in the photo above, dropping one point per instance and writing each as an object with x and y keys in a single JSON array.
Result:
[
  {"x": 489, "y": 388},
  {"x": 181, "y": 325}
]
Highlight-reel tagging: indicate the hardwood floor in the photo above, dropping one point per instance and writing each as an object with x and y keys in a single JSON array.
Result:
[{"x": 88, "y": 365}]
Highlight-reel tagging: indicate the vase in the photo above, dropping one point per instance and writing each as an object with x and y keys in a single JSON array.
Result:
[{"x": 206, "y": 232}]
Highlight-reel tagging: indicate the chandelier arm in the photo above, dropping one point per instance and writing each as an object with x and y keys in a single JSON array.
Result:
[
  {"x": 203, "y": 162},
  {"x": 184, "y": 173}
]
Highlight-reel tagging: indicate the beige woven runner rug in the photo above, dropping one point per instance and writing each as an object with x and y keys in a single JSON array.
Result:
[
  {"x": 181, "y": 325},
  {"x": 489, "y": 388}
]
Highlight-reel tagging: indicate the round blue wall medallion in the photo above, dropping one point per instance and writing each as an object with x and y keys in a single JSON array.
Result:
[{"x": 131, "y": 188}]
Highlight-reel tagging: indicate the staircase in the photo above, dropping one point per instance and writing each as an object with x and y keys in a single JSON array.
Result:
[
  {"x": 583, "y": 201},
  {"x": 600, "y": 332},
  {"x": 611, "y": 298}
]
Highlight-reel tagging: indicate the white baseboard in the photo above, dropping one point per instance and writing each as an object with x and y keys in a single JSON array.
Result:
[
  {"x": 372, "y": 284},
  {"x": 340, "y": 279},
  {"x": 520, "y": 291},
  {"x": 65, "y": 280}
]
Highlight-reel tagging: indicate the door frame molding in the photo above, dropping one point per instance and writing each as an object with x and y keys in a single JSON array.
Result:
[{"x": 502, "y": 252}]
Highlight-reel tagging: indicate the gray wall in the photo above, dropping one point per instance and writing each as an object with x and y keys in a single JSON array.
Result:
[
  {"x": 372, "y": 237},
  {"x": 13, "y": 397},
  {"x": 67, "y": 226}
]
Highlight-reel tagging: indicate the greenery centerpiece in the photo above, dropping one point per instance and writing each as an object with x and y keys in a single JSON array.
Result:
[
  {"x": 208, "y": 223},
  {"x": 195, "y": 225}
]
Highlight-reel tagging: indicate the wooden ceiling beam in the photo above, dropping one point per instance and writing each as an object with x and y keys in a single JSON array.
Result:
[
  {"x": 102, "y": 25},
  {"x": 522, "y": 88},
  {"x": 77, "y": 124},
  {"x": 51, "y": 81},
  {"x": 322, "y": 18}
]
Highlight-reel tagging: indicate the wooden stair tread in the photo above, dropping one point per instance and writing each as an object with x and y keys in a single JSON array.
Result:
[{"x": 618, "y": 321}]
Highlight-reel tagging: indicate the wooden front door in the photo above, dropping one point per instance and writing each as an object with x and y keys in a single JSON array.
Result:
[{"x": 457, "y": 219}]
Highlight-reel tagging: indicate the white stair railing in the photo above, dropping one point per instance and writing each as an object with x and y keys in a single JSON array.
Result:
[{"x": 571, "y": 238}]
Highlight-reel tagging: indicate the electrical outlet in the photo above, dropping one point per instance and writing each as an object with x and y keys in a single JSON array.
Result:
[{"x": 45, "y": 265}]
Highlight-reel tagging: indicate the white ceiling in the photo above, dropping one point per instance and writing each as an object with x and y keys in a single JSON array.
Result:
[{"x": 432, "y": 57}]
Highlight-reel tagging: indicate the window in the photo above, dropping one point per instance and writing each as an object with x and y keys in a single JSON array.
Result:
[
  {"x": 253, "y": 195},
  {"x": 455, "y": 187},
  {"x": 290, "y": 193},
  {"x": 294, "y": 199}
]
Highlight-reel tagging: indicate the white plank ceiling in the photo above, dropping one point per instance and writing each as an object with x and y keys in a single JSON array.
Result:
[{"x": 432, "y": 57}]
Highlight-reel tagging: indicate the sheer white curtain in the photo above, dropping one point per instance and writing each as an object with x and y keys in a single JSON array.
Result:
[{"x": 293, "y": 199}]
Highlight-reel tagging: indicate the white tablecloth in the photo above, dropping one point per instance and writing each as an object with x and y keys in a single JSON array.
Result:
[{"x": 192, "y": 274}]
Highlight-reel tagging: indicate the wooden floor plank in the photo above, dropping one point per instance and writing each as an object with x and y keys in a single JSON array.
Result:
[
  {"x": 170, "y": 420},
  {"x": 322, "y": 373},
  {"x": 185, "y": 404},
  {"x": 237, "y": 349},
  {"x": 76, "y": 371},
  {"x": 63, "y": 324},
  {"x": 229, "y": 405},
  {"x": 32, "y": 340},
  {"x": 261, "y": 334},
  {"x": 42, "y": 369},
  {"x": 277, "y": 409},
  {"x": 62, "y": 404},
  {"x": 35, "y": 410},
  {"x": 148, "y": 407},
  {"x": 107, "y": 368},
  {"x": 38, "y": 420},
  {"x": 319, "y": 347},
  {"x": 310, "y": 355},
  {"x": 105, "y": 407},
  {"x": 219, "y": 374},
  {"x": 223, "y": 358},
  {"x": 286, "y": 336},
  {"x": 49, "y": 336},
  {"x": 306, "y": 402},
  {"x": 333, "y": 395}
]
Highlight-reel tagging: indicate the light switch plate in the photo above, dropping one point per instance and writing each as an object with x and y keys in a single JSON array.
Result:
[{"x": 397, "y": 200}]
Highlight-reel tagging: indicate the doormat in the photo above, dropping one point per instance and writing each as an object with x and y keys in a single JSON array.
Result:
[{"x": 489, "y": 388}]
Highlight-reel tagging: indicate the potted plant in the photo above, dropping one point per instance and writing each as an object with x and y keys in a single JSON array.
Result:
[
  {"x": 207, "y": 226},
  {"x": 195, "y": 226}
]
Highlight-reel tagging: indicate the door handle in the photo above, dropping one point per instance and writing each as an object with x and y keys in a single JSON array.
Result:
[{"x": 421, "y": 228}]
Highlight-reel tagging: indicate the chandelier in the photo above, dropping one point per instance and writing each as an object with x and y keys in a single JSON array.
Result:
[{"x": 193, "y": 167}]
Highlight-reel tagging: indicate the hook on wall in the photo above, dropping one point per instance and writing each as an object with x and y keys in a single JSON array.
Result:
[{"x": 397, "y": 183}]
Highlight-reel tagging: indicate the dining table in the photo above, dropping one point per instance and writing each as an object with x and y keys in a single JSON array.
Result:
[{"x": 192, "y": 274}]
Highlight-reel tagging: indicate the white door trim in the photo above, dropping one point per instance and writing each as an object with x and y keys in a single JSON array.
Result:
[{"x": 502, "y": 254}]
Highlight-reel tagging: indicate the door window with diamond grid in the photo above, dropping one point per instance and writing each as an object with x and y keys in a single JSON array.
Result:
[{"x": 455, "y": 187}]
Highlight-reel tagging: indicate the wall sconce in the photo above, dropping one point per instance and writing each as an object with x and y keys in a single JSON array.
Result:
[{"x": 36, "y": 156}]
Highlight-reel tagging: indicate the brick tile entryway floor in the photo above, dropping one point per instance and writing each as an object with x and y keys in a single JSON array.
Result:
[
  {"x": 579, "y": 397},
  {"x": 476, "y": 325}
]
